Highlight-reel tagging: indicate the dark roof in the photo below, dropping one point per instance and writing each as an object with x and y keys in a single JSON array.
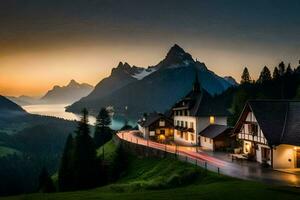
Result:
[
  {"x": 201, "y": 104},
  {"x": 153, "y": 117},
  {"x": 278, "y": 119},
  {"x": 214, "y": 130}
]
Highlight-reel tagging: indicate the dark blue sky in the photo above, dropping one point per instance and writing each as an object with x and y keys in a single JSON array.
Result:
[{"x": 227, "y": 35}]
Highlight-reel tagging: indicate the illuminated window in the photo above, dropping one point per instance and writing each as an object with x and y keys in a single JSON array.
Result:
[
  {"x": 192, "y": 137},
  {"x": 211, "y": 119}
]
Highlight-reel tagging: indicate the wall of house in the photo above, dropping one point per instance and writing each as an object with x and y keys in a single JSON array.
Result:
[
  {"x": 284, "y": 157},
  {"x": 187, "y": 138},
  {"x": 199, "y": 123},
  {"x": 259, "y": 153},
  {"x": 144, "y": 131},
  {"x": 207, "y": 143}
]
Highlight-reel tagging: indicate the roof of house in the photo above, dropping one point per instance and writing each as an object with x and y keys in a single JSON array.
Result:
[
  {"x": 278, "y": 119},
  {"x": 201, "y": 103},
  {"x": 153, "y": 117},
  {"x": 214, "y": 130}
]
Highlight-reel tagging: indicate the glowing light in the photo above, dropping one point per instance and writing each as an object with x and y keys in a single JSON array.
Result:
[{"x": 211, "y": 119}]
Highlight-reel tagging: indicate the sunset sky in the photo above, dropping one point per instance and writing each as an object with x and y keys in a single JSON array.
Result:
[{"x": 49, "y": 42}]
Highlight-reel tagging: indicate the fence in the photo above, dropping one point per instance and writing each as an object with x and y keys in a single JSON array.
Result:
[{"x": 147, "y": 148}]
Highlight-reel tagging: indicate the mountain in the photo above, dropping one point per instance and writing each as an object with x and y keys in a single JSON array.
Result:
[
  {"x": 7, "y": 106},
  {"x": 9, "y": 109},
  {"x": 231, "y": 80},
  {"x": 24, "y": 100},
  {"x": 156, "y": 88},
  {"x": 67, "y": 94}
]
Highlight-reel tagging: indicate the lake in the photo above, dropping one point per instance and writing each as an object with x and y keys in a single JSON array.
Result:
[{"x": 58, "y": 110}]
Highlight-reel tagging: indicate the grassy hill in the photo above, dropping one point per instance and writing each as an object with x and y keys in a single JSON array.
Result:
[
  {"x": 4, "y": 151},
  {"x": 153, "y": 178}
]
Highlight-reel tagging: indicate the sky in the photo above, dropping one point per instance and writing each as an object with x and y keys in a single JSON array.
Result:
[{"x": 49, "y": 42}]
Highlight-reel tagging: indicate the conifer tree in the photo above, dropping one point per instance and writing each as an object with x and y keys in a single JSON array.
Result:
[
  {"x": 103, "y": 133},
  {"x": 276, "y": 74},
  {"x": 45, "y": 182},
  {"x": 281, "y": 68},
  {"x": 65, "y": 173},
  {"x": 86, "y": 166},
  {"x": 245, "y": 76},
  {"x": 265, "y": 75},
  {"x": 289, "y": 70}
]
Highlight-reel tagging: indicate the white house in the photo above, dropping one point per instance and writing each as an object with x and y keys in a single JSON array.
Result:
[
  {"x": 270, "y": 132},
  {"x": 194, "y": 113}
]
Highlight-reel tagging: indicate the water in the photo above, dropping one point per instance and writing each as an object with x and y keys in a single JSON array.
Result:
[{"x": 58, "y": 110}]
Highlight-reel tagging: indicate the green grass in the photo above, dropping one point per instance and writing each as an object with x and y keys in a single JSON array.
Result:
[
  {"x": 109, "y": 151},
  {"x": 160, "y": 179},
  {"x": 4, "y": 151}
]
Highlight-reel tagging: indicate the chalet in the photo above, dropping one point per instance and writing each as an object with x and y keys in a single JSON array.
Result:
[
  {"x": 156, "y": 126},
  {"x": 270, "y": 132},
  {"x": 193, "y": 113},
  {"x": 216, "y": 137}
]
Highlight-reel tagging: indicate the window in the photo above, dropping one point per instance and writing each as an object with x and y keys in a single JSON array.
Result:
[
  {"x": 205, "y": 139},
  {"x": 186, "y": 124},
  {"x": 181, "y": 134},
  {"x": 210, "y": 141},
  {"x": 186, "y": 136},
  {"x": 181, "y": 123},
  {"x": 162, "y": 123},
  {"x": 192, "y": 125},
  {"x": 162, "y": 132},
  {"x": 211, "y": 119},
  {"x": 253, "y": 129},
  {"x": 192, "y": 137}
]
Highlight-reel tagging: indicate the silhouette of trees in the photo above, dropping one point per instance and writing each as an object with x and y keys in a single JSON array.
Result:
[
  {"x": 103, "y": 133},
  {"x": 265, "y": 75},
  {"x": 45, "y": 182},
  {"x": 80, "y": 167},
  {"x": 245, "y": 76}
]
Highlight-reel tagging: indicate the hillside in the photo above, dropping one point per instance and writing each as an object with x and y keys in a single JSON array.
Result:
[
  {"x": 153, "y": 178},
  {"x": 8, "y": 106},
  {"x": 158, "y": 87},
  {"x": 67, "y": 94}
]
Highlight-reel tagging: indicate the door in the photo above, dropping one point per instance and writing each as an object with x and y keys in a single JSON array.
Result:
[
  {"x": 265, "y": 154},
  {"x": 298, "y": 158}
]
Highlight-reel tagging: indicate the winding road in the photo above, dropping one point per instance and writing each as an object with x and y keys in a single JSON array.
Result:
[{"x": 218, "y": 162}]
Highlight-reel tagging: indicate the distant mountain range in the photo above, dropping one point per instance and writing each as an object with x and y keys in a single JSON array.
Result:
[
  {"x": 24, "y": 100},
  {"x": 132, "y": 90},
  {"x": 57, "y": 95},
  {"x": 67, "y": 94}
]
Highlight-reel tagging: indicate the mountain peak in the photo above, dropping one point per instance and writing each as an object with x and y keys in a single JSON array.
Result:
[
  {"x": 176, "y": 56},
  {"x": 73, "y": 83}
]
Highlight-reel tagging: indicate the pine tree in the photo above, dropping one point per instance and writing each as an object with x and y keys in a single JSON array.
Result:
[
  {"x": 276, "y": 74},
  {"x": 281, "y": 68},
  {"x": 65, "y": 175},
  {"x": 265, "y": 75},
  {"x": 103, "y": 133},
  {"x": 45, "y": 182},
  {"x": 86, "y": 165},
  {"x": 245, "y": 76},
  {"x": 289, "y": 70}
]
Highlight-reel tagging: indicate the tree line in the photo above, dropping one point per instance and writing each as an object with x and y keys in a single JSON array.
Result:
[{"x": 282, "y": 83}]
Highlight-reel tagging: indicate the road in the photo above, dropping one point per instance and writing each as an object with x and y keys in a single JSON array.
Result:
[{"x": 218, "y": 162}]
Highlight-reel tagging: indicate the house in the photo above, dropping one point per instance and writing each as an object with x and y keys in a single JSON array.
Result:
[
  {"x": 216, "y": 137},
  {"x": 270, "y": 132},
  {"x": 193, "y": 113},
  {"x": 156, "y": 126}
]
